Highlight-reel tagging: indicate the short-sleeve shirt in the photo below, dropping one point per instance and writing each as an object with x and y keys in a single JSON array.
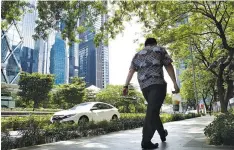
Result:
[{"x": 148, "y": 63}]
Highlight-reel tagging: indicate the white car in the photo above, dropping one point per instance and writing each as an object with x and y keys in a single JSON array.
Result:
[{"x": 85, "y": 112}]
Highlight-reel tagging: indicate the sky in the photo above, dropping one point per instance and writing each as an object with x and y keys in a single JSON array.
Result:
[{"x": 121, "y": 52}]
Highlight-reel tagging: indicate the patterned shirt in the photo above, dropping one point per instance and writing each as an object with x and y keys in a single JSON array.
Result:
[{"x": 149, "y": 65}]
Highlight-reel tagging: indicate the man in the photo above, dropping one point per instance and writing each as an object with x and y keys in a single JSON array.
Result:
[{"x": 148, "y": 63}]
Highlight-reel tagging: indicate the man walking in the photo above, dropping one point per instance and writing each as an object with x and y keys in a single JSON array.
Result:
[{"x": 148, "y": 63}]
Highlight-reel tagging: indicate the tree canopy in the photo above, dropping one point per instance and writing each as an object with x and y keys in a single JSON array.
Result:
[
  {"x": 35, "y": 87},
  {"x": 205, "y": 27},
  {"x": 11, "y": 11},
  {"x": 69, "y": 95},
  {"x": 52, "y": 13},
  {"x": 112, "y": 94}
]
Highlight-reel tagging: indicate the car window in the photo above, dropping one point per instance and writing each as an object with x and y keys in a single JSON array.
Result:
[
  {"x": 102, "y": 106},
  {"x": 108, "y": 106},
  {"x": 98, "y": 106},
  {"x": 105, "y": 106},
  {"x": 82, "y": 105}
]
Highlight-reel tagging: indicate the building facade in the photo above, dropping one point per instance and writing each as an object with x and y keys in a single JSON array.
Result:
[
  {"x": 11, "y": 44},
  {"x": 57, "y": 59},
  {"x": 17, "y": 52},
  {"x": 17, "y": 47},
  {"x": 73, "y": 60},
  {"x": 94, "y": 60}
]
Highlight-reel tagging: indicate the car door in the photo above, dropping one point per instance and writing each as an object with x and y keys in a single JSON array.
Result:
[
  {"x": 97, "y": 113},
  {"x": 106, "y": 112}
]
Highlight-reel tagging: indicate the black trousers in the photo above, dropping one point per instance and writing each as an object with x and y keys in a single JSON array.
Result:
[{"x": 154, "y": 95}]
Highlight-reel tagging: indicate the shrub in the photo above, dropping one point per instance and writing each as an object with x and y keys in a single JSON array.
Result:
[
  {"x": 19, "y": 123},
  {"x": 31, "y": 109},
  {"x": 166, "y": 117},
  {"x": 177, "y": 117},
  {"x": 36, "y": 130},
  {"x": 221, "y": 130}
]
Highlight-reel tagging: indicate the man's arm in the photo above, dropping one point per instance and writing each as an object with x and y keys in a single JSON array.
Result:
[
  {"x": 171, "y": 72},
  {"x": 129, "y": 77}
]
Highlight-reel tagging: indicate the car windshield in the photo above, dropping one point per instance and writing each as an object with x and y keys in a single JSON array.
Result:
[{"x": 81, "y": 106}]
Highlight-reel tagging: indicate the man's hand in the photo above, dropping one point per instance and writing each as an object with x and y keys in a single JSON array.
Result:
[
  {"x": 177, "y": 89},
  {"x": 125, "y": 91},
  {"x": 130, "y": 74},
  {"x": 171, "y": 73}
]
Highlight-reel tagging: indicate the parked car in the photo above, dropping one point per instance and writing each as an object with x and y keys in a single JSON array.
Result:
[{"x": 85, "y": 112}]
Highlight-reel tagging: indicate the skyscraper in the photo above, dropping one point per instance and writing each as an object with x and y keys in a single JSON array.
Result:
[
  {"x": 17, "y": 52},
  {"x": 42, "y": 49},
  {"x": 11, "y": 44},
  {"x": 18, "y": 47},
  {"x": 93, "y": 61},
  {"x": 57, "y": 59},
  {"x": 73, "y": 60}
]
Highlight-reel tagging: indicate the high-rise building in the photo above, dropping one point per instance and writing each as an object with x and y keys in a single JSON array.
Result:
[
  {"x": 42, "y": 49},
  {"x": 11, "y": 44},
  {"x": 18, "y": 47},
  {"x": 93, "y": 61},
  {"x": 73, "y": 60},
  {"x": 58, "y": 59},
  {"x": 17, "y": 52}
]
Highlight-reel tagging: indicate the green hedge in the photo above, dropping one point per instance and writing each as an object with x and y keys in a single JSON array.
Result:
[
  {"x": 36, "y": 134},
  {"x": 221, "y": 130},
  {"x": 31, "y": 109},
  {"x": 20, "y": 123}
]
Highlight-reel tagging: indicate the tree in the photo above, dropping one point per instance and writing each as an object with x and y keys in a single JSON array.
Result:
[
  {"x": 57, "y": 99},
  {"x": 205, "y": 27},
  {"x": 112, "y": 94},
  {"x": 11, "y": 11},
  {"x": 90, "y": 95},
  {"x": 68, "y": 12},
  {"x": 205, "y": 82},
  {"x": 35, "y": 87},
  {"x": 52, "y": 13},
  {"x": 68, "y": 95}
]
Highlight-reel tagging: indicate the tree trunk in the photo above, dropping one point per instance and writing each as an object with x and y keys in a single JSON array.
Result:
[
  {"x": 204, "y": 101},
  {"x": 45, "y": 104},
  {"x": 221, "y": 92},
  {"x": 229, "y": 91},
  {"x": 210, "y": 108},
  {"x": 36, "y": 104},
  {"x": 224, "y": 107}
]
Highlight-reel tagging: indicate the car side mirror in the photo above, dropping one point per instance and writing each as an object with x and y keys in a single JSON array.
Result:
[{"x": 94, "y": 108}]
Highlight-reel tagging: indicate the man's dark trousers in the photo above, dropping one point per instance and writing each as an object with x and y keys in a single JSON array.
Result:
[{"x": 154, "y": 95}]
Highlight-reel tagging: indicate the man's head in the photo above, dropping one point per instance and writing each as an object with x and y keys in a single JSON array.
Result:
[{"x": 150, "y": 42}]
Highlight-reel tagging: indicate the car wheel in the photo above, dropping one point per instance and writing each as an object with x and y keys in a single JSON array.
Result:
[
  {"x": 114, "y": 117},
  {"x": 83, "y": 120}
]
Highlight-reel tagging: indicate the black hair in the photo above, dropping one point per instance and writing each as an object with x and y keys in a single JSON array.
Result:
[{"x": 150, "y": 41}]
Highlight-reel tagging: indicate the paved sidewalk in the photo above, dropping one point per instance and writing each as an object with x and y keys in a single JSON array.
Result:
[{"x": 183, "y": 135}]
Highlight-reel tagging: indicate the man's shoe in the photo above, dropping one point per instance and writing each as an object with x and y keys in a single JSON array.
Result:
[
  {"x": 149, "y": 145},
  {"x": 163, "y": 138}
]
